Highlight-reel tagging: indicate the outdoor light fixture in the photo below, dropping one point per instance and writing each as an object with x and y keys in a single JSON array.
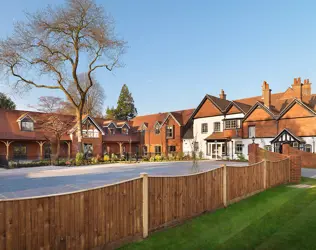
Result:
[{"x": 253, "y": 139}]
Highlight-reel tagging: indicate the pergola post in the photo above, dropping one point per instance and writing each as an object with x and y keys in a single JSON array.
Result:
[
  {"x": 41, "y": 143},
  {"x": 7, "y": 144},
  {"x": 121, "y": 148},
  {"x": 69, "y": 149}
]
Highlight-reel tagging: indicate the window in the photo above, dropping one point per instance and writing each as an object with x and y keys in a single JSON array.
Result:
[
  {"x": 145, "y": 150},
  {"x": 27, "y": 126},
  {"x": 47, "y": 151},
  {"x": 268, "y": 147},
  {"x": 238, "y": 147},
  {"x": 91, "y": 133},
  {"x": 157, "y": 129},
  {"x": 125, "y": 131},
  {"x": 217, "y": 126},
  {"x": 204, "y": 128},
  {"x": 251, "y": 131},
  {"x": 157, "y": 150},
  {"x": 295, "y": 144},
  {"x": 111, "y": 131},
  {"x": 169, "y": 131},
  {"x": 308, "y": 148},
  {"x": 171, "y": 149},
  {"x": 277, "y": 147},
  {"x": 230, "y": 124},
  {"x": 19, "y": 151}
]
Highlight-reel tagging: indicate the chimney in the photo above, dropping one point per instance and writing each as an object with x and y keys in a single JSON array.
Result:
[
  {"x": 266, "y": 94},
  {"x": 222, "y": 95},
  {"x": 297, "y": 87},
  {"x": 307, "y": 88}
]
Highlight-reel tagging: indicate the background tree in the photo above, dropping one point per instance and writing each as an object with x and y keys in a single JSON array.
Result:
[
  {"x": 52, "y": 122},
  {"x": 6, "y": 102},
  {"x": 110, "y": 113},
  {"x": 94, "y": 99},
  {"x": 125, "y": 109},
  {"x": 53, "y": 42}
]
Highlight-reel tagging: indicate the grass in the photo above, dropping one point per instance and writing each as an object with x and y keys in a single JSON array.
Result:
[{"x": 278, "y": 218}]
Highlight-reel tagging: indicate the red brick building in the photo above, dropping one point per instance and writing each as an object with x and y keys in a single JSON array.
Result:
[{"x": 21, "y": 137}]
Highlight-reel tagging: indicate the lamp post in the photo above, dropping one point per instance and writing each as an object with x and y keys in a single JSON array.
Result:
[{"x": 253, "y": 139}]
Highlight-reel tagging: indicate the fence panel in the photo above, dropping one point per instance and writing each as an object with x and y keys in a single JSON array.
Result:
[
  {"x": 244, "y": 181},
  {"x": 82, "y": 220},
  {"x": 174, "y": 199},
  {"x": 278, "y": 172}
]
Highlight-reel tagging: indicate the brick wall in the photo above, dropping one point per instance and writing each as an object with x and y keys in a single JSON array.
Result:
[
  {"x": 308, "y": 159},
  {"x": 257, "y": 154}
]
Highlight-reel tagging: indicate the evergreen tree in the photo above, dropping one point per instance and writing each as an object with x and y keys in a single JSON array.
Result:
[
  {"x": 125, "y": 109},
  {"x": 6, "y": 102},
  {"x": 110, "y": 113}
]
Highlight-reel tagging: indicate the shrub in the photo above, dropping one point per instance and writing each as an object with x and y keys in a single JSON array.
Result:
[
  {"x": 180, "y": 156},
  {"x": 106, "y": 158},
  {"x": 114, "y": 157},
  {"x": 152, "y": 159},
  {"x": 171, "y": 158},
  {"x": 241, "y": 157},
  {"x": 158, "y": 158},
  {"x": 12, "y": 164},
  {"x": 94, "y": 160},
  {"x": 79, "y": 159},
  {"x": 145, "y": 158},
  {"x": 201, "y": 154}
]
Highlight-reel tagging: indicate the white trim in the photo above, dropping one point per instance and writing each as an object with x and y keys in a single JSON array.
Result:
[
  {"x": 24, "y": 116},
  {"x": 170, "y": 114}
]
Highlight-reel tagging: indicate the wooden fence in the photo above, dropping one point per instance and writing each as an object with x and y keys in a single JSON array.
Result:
[{"x": 112, "y": 215}]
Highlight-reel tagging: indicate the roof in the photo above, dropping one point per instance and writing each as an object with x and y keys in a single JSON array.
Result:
[
  {"x": 222, "y": 104},
  {"x": 287, "y": 131},
  {"x": 181, "y": 116},
  {"x": 216, "y": 136},
  {"x": 10, "y": 130}
]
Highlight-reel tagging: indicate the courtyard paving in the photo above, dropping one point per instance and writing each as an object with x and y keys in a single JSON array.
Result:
[{"x": 38, "y": 181}]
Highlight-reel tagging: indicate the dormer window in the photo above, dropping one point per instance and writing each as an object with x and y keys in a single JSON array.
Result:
[
  {"x": 27, "y": 125},
  {"x": 125, "y": 131},
  {"x": 157, "y": 129}
]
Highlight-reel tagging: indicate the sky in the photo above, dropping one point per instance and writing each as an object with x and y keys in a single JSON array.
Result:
[{"x": 178, "y": 51}]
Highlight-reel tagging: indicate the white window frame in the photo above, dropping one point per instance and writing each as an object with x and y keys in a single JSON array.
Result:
[
  {"x": 168, "y": 130},
  {"x": 251, "y": 133},
  {"x": 308, "y": 146},
  {"x": 217, "y": 127},
  {"x": 204, "y": 128},
  {"x": 231, "y": 124},
  {"x": 26, "y": 128},
  {"x": 238, "y": 147}
]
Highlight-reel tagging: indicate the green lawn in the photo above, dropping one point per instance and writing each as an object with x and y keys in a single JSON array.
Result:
[{"x": 279, "y": 218}]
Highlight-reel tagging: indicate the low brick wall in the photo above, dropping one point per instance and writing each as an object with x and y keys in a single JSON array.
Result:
[
  {"x": 308, "y": 159},
  {"x": 257, "y": 154}
]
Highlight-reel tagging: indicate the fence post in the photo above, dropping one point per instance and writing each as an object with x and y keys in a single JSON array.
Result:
[
  {"x": 224, "y": 185},
  {"x": 264, "y": 174},
  {"x": 145, "y": 204}
]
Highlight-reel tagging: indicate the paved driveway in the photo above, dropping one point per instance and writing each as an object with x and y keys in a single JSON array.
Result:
[
  {"x": 309, "y": 172},
  {"x": 27, "y": 182}
]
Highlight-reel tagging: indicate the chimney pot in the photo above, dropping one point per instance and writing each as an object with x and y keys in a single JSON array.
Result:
[{"x": 222, "y": 95}]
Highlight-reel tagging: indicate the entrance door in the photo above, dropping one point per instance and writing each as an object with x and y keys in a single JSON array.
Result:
[
  {"x": 216, "y": 150},
  {"x": 88, "y": 150}
]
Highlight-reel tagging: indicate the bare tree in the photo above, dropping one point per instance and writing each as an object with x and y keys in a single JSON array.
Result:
[
  {"x": 52, "y": 42},
  {"x": 94, "y": 99},
  {"x": 52, "y": 122},
  {"x": 195, "y": 152}
]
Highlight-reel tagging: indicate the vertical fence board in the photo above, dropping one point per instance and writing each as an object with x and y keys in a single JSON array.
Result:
[{"x": 112, "y": 214}]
